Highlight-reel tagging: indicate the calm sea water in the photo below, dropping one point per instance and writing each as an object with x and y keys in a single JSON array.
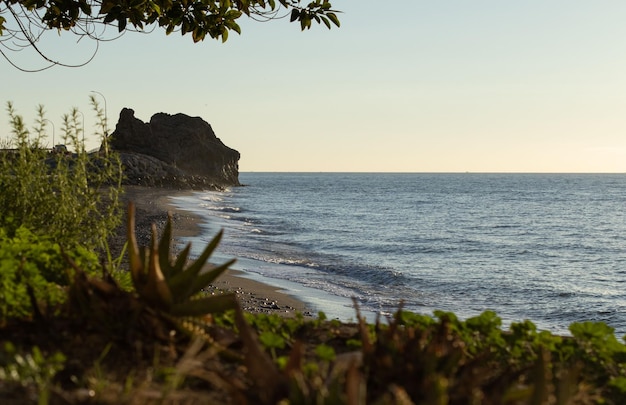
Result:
[{"x": 546, "y": 247}]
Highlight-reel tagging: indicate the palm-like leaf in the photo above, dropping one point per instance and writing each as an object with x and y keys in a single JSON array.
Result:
[{"x": 170, "y": 284}]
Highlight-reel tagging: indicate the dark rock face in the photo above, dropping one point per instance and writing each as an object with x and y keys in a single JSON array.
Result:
[{"x": 173, "y": 150}]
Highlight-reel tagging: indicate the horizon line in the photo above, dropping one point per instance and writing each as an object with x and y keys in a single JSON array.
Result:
[{"x": 417, "y": 172}]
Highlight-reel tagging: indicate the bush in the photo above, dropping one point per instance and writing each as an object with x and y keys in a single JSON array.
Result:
[
  {"x": 71, "y": 197},
  {"x": 28, "y": 261}
]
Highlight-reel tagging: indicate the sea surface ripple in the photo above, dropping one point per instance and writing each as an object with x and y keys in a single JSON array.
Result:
[{"x": 546, "y": 247}]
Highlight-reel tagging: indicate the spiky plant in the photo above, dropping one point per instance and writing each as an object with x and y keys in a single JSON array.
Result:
[{"x": 173, "y": 285}]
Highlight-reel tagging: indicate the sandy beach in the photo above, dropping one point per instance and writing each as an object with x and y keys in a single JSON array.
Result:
[{"x": 152, "y": 206}]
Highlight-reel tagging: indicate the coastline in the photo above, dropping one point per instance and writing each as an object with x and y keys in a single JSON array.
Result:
[{"x": 152, "y": 206}]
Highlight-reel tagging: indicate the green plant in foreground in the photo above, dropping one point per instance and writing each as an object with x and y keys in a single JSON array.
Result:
[
  {"x": 594, "y": 344},
  {"x": 30, "y": 369},
  {"x": 71, "y": 197},
  {"x": 435, "y": 360},
  {"x": 173, "y": 285},
  {"x": 166, "y": 296},
  {"x": 33, "y": 268}
]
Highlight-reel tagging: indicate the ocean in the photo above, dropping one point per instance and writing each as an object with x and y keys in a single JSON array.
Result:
[{"x": 550, "y": 248}]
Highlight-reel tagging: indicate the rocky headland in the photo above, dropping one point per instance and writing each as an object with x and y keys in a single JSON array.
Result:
[{"x": 173, "y": 151}]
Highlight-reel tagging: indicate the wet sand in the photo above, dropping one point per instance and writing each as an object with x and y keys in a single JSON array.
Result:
[{"x": 152, "y": 206}]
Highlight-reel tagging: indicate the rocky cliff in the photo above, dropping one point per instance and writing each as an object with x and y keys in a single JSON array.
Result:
[{"x": 173, "y": 150}]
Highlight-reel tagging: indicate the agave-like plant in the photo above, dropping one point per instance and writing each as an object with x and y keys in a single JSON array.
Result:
[{"x": 173, "y": 285}]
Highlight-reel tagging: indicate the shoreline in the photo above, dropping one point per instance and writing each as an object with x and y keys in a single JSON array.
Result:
[{"x": 152, "y": 206}]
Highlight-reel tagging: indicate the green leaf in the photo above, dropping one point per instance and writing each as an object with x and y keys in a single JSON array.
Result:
[
  {"x": 121, "y": 23},
  {"x": 155, "y": 7},
  {"x": 180, "y": 262},
  {"x": 592, "y": 331},
  {"x": 334, "y": 19},
  {"x": 485, "y": 323},
  {"x": 619, "y": 383},
  {"x": 295, "y": 14},
  {"x": 232, "y": 15},
  {"x": 207, "y": 278},
  {"x": 107, "y": 6},
  {"x": 305, "y": 22},
  {"x": 325, "y": 352},
  {"x": 30, "y": 4},
  {"x": 271, "y": 340},
  {"x": 180, "y": 281},
  {"x": 204, "y": 306},
  {"x": 198, "y": 35},
  {"x": 110, "y": 17},
  {"x": 165, "y": 247},
  {"x": 234, "y": 26},
  {"x": 325, "y": 21},
  {"x": 85, "y": 7}
]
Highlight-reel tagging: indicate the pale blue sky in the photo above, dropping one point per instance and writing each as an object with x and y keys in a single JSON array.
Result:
[{"x": 409, "y": 86}]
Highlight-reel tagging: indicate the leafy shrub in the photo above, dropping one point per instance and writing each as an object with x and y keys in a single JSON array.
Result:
[
  {"x": 30, "y": 369},
  {"x": 433, "y": 360},
  {"x": 29, "y": 261},
  {"x": 71, "y": 197},
  {"x": 597, "y": 348}
]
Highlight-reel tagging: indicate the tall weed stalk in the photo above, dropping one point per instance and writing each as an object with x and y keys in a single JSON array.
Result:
[{"x": 71, "y": 197}]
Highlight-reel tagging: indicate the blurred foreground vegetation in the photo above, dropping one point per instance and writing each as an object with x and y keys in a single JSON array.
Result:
[{"x": 77, "y": 327}]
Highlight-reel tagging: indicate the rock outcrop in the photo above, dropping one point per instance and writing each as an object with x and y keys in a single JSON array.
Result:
[{"x": 173, "y": 151}]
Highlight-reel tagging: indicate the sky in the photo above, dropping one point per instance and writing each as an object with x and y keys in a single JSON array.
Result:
[{"x": 405, "y": 86}]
